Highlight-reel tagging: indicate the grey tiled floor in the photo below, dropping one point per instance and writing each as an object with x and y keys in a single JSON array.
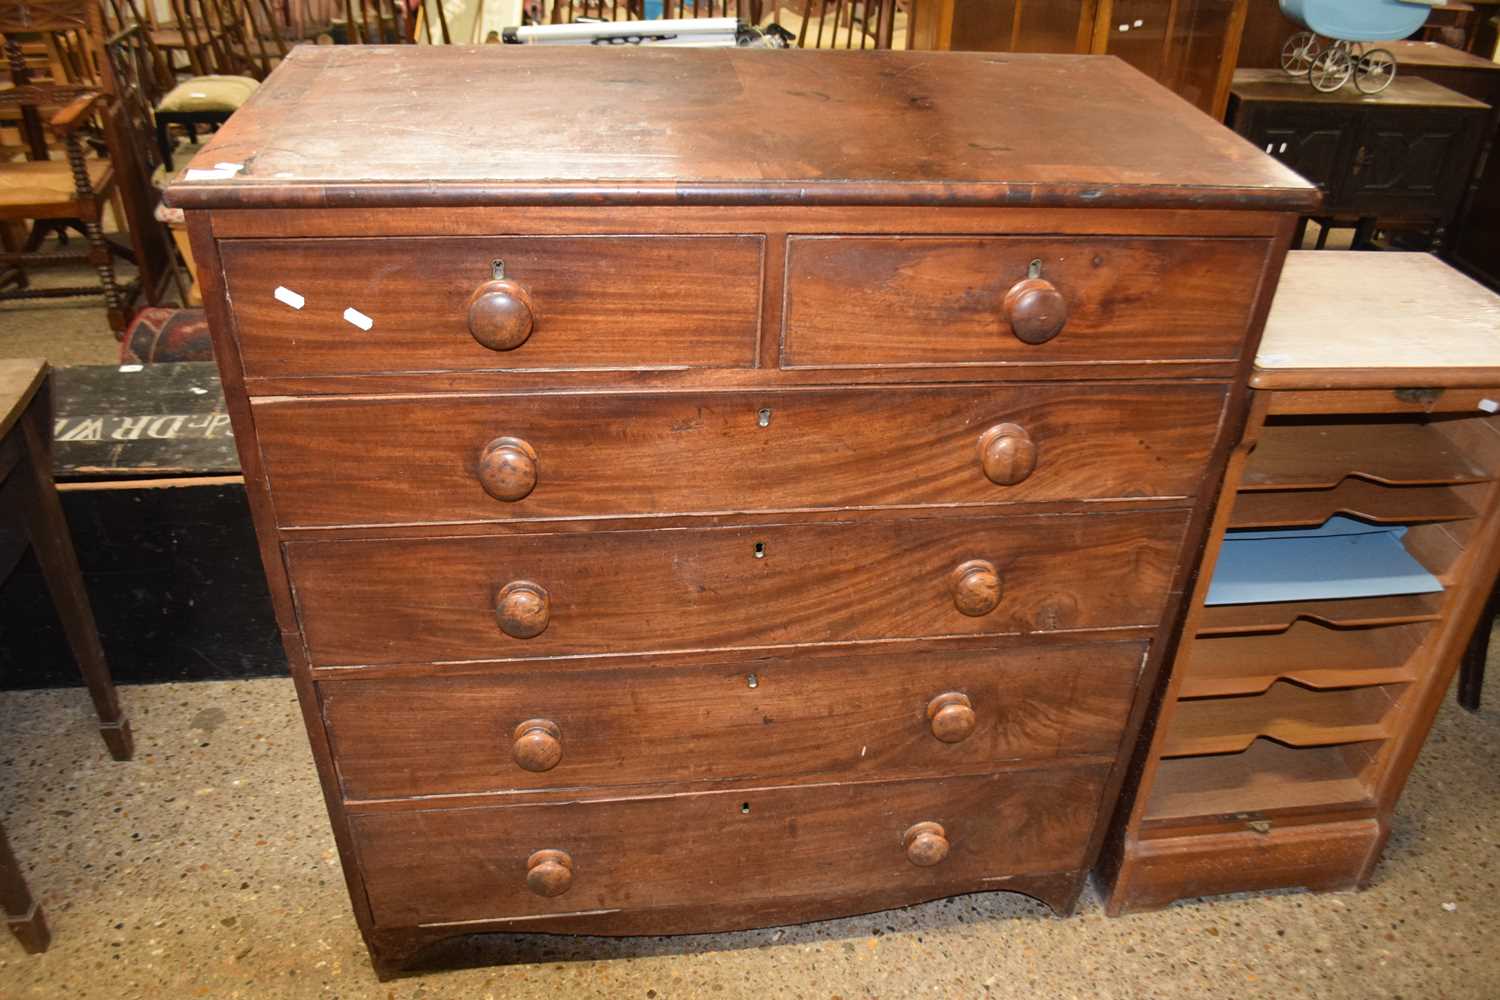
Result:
[{"x": 205, "y": 868}]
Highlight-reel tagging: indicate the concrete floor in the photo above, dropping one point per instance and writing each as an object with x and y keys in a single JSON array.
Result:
[{"x": 205, "y": 868}]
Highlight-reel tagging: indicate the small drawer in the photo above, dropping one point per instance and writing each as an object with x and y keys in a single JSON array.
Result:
[
  {"x": 521, "y": 596},
  {"x": 997, "y": 300},
  {"x": 928, "y": 837},
  {"x": 856, "y": 716},
  {"x": 425, "y": 304},
  {"x": 503, "y": 457}
]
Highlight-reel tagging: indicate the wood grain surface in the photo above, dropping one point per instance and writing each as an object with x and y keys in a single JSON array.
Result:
[
  {"x": 660, "y": 125},
  {"x": 940, "y": 300},
  {"x": 625, "y": 302},
  {"x": 403, "y": 460},
  {"x": 792, "y": 844},
  {"x": 772, "y": 719},
  {"x": 365, "y": 602}
]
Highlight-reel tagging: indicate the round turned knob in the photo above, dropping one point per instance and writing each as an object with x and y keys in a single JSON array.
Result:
[
  {"x": 926, "y": 844},
  {"x": 976, "y": 587},
  {"x": 952, "y": 717},
  {"x": 549, "y": 873},
  {"x": 523, "y": 609},
  {"x": 507, "y": 468},
  {"x": 1035, "y": 310},
  {"x": 1007, "y": 453},
  {"x": 538, "y": 745},
  {"x": 500, "y": 313}
]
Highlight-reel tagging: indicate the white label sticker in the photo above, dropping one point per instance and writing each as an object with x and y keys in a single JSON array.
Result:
[
  {"x": 359, "y": 319},
  {"x": 193, "y": 174},
  {"x": 1489, "y": 405},
  {"x": 291, "y": 298},
  {"x": 132, "y": 368}
]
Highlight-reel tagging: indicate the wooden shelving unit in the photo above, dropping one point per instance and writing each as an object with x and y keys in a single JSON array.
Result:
[{"x": 1288, "y": 727}]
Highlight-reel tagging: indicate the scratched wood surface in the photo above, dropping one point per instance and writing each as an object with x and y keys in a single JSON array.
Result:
[
  {"x": 416, "y": 125},
  {"x": 399, "y": 459},
  {"x": 777, "y": 718},
  {"x": 790, "y": 844},
  {"x": 163, "y": 420}
]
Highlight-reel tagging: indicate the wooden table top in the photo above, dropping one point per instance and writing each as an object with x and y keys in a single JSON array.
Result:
[
  {"x": 491, "y": 125},
  {"x": 19, "y": 380},
  {"x": 1361, "y": 318},
  {"x": 1404, "y": 91},
  {"x": 1437, "y": 54}
]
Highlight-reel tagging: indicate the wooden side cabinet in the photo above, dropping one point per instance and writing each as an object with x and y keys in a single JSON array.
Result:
[
  {"x": 1402, "y": 156},
  {"x": 1303, "y": 688}
]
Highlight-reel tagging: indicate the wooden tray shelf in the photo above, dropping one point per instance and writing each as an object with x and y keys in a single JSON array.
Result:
[
  {"x": 1265, "y": 779},
  {"x": 1312, "y": 456},
  {"x": 1307, "y": 653},
  {"x": 1285, "y": 712},
  {"x": 1348, "y": 612},
  {"x": 1356, "y": 497}
]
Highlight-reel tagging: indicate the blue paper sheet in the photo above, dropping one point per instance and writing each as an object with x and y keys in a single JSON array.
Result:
[{"x": 1343, "y": 557}]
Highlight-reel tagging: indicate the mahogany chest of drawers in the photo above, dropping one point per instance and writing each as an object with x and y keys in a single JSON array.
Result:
[{"x": 707, "y": 489}]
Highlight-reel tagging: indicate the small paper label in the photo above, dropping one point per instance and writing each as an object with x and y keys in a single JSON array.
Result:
[
  {"x": 359, "y": 319},
  {"x": 194, "y": 174},
  {"x": 291, "y": 298},
  {"x": 132, "y": 368},
  {"x": 1489, "y": 405}
]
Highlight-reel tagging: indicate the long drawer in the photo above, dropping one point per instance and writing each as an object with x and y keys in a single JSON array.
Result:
[
  {"x": 876, "y": 714},
  {"x": 834, "y": 840},
  {"x": 523, "y": 456},
  {"x": 610, "y": 302},
  {"x": 563, "y": 594},
  {"x": 948, "y": 300}
]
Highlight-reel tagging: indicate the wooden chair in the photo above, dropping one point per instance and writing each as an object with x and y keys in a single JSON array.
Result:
[
  {"x": 93, "y": 108},
  {"x": 30, "y": 515},
  {"x": 841, "y": 24}
]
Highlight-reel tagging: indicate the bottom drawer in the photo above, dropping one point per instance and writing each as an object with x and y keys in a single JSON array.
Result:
[
  {"x": 1317, "y": 856},
  {"x": 740, "y": 847}
]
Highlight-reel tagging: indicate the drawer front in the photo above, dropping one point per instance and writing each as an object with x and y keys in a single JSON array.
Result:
[
  {"x": 922, "y": 301},
  {"x": 600, "y": 302},
  {"x": 402, "y": 460},
  {"x": 857, "y": 716},
  {"x": 831, "y": 840},
  {"x": 419, "y": 600}
]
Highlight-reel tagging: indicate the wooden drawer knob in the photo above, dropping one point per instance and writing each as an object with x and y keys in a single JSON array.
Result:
[
  {"x": 523, "y": 609},
  {"x": 952, "y": 717},
  {"x": 500, "y": 312},
  {"x": 507, "y": 468},
  {"x": 549, "y": 873},
  {"x": 538, "y": 745},
  {"x": 976, "y": 587},
  {"x": 926, "y": 844},
  {"x": 1036, "y": 310},
  {"x": 1007, "y": 453}
]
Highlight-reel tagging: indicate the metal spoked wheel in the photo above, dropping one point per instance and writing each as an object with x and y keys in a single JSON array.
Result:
[
  {"x": 1374, "y": 71},
  {"x": 1298, "y": 53},
  {"x": 1331, "y": 69}
]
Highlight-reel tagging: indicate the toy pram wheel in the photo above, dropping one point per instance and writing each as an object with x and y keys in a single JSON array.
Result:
[
  {"x": 1374, "y": 71},
  {"x": 1331, "y": 70},
  {"x": 1298, "y": 53}
]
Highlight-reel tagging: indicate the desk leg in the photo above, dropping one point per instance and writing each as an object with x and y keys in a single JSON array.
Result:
[
  {"x": 22, "y": 914},
  {"x": 53, "y": 546}
]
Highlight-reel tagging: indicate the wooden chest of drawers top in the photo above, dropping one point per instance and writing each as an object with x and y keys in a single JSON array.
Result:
[{"x": 451, "y": 126}]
